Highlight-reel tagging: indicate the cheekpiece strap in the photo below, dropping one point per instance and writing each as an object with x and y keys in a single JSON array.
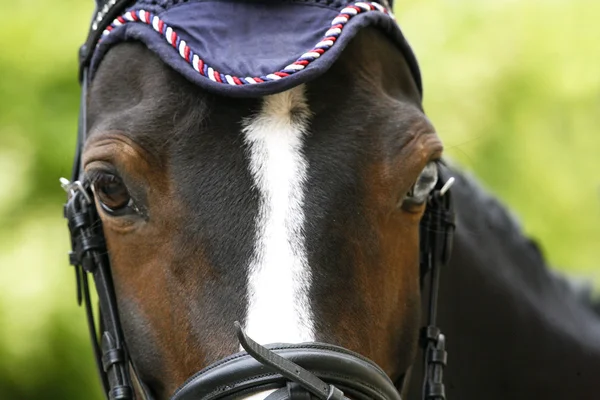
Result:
[
  {"x": 89, "y": 256},
  {"x": 106, "y": 12},
  {"x": 437, "y": 231}
]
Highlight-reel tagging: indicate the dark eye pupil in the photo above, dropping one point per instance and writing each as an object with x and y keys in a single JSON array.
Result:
[{"x": 111, "y": 192}]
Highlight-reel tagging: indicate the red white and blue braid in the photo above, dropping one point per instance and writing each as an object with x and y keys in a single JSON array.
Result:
[{"x": 192, "y": 58}]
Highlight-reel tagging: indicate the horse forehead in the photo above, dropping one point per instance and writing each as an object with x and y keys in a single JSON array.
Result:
[
  {"x": 215, "y": 157},
  {"x": 136, "y": 90},
  {"x": 199, "y": 137}
]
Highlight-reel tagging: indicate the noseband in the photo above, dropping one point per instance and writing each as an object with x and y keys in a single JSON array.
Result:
[{"x": 292, "y": 371}]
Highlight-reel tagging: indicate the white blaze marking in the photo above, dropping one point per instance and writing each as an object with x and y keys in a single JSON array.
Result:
[
  {"x": 279, "y": 278},
  {"x": 260, "y": 395}
]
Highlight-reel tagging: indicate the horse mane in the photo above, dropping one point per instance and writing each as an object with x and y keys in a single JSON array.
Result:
[
  {"x": 516, "y": 328},
  {"x": 505, "y": 223}
]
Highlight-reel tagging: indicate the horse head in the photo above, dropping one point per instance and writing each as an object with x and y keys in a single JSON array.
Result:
[{"x": 295, "y": 212}]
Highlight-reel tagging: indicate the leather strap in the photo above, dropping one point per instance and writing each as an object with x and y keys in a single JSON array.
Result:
[
  {"x": 89, "y": 256},
  {"x": 242, "y": 375},
  {"x": 437, "y": 228},
  {"x": 106, "y": 12},
  {"x": 292, "y": 371},
  {"x": 292, "y": 391}
]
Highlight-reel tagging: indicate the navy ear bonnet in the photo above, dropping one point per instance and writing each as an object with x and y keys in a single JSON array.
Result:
[{"x": 241, "y": 48}]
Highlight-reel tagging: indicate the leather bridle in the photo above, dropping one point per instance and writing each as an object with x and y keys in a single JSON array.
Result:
[{"x": 291, "y": 366}]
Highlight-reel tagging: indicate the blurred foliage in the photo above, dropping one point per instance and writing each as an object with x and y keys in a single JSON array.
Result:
[{"x": 512, "y": 86}]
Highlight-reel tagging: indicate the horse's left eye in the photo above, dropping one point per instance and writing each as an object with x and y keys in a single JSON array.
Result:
[
  {"x": 424, "y": 184},
  {"x": 112, "y": 194}
]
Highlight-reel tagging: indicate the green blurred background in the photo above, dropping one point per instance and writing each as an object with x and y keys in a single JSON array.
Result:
[{"x": 512, "y": 86}]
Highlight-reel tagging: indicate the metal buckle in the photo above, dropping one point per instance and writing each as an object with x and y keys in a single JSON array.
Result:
[
  {"x": 73, "y": 187},
  {"x": 447, "y": 186}
]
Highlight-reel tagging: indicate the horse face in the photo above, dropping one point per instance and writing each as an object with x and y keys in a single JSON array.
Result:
[{"x": 288, "y": 213}]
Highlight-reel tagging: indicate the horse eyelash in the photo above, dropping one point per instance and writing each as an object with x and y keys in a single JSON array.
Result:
[{"x": 95, "y": 175}]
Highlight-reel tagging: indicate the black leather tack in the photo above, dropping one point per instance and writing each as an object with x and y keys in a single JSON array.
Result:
[
  {"x": 89, "y": 243},
  {"x": 78, "y": 220},
  {"x": 436, "y": 244},
  {"x": 335, "y": 393},
  {"x": 74, "y": 258},
  {"x": 120, "y": 393},
  {"x": 438, "y": 357},
  {"x": 285, "y": 367},
  {"x": 88, "y": 264},
  {"x": 449, "y": 218},
  {"x": 78, "y": 287},
  {"x": 83, "y": 51},
  {"x": 86, "y": 50},
  {"x": 297, "y": 392},
  {"x": 436, "y": 391},
  {"x": 358, "y": 377},
  {"x": 111, "y": 357},
  {"x": 430, "y": 333}
]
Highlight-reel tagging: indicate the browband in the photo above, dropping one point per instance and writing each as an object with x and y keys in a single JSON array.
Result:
[{"x": 106, "y": 12}]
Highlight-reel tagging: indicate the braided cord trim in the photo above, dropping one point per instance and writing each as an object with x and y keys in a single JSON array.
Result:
[{"x": 192, "y": 58}]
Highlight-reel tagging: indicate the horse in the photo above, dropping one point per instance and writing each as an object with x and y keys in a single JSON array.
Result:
[
  {"x": 515, "y": 328},
  {"x": 290, "y": 202}
]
